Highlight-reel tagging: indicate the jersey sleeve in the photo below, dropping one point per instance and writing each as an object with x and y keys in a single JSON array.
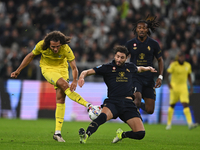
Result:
[
  {"x": 37, "y": 49},
  {"x": 170, "y": 68},
  {"x": 69, "y": 54},
  {"x": 157, "y": 52},
  {"x": 100, "y": 70},
  {"x": 133, "y": 67},
  {"x": 190, "y": 69}
]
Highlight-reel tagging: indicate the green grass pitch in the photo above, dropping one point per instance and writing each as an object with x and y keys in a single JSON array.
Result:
[{"x": 16, "y": 134}]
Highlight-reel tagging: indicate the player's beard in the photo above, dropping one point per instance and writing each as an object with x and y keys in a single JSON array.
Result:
[
  {"x": 180, "y": 62},
  {"x": 141, "y": 37},
  {"x": 120, "y": 63}
]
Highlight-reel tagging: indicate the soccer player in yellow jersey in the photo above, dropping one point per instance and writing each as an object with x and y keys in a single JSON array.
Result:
[
  {"x": 55, "y": 55},
  {"x": 180, "y": 71}
]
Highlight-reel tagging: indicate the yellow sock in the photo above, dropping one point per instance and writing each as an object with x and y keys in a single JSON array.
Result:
[
  {"x": 75, "y": 97},
  {"x": 60, "y": 112},
  {"x": 187, "y": 113},
  {"x": 170, "y": 115}
]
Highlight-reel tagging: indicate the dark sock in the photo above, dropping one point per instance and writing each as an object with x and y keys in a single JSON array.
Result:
[
  {"x": 142, "y": 106},
  {"x": 134, "y": 135},
  {"x": 96, "y": 123}
]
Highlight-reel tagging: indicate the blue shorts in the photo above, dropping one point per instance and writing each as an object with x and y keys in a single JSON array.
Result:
[
  {"x": 147, "y": 89},
  {"x": 124, "y": 108}
]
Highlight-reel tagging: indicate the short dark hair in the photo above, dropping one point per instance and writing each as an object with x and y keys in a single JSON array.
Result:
[
  {"x": 151, "y": 24},
  {"x": 121, "y": 49},
  {"x": 55, "y": 36},
  {"x": 181, "y": 54}
]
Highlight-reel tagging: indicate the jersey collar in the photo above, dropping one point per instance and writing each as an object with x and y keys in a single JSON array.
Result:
[{"x": 145, "y": 42}]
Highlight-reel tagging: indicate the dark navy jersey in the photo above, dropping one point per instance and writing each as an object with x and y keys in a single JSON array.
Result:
[
  {"x": 143, "y": 53},
  {"x": 117, "y": 78}
]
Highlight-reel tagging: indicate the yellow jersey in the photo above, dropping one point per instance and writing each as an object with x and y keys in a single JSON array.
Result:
[
  {"x": 179, "y": 73},
  {"x": 50, "y": 59}
]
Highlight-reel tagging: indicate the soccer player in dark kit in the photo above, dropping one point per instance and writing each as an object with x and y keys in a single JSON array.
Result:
[
  {"x": 118, "y": 77},
  {"x": 143, "y": 49}
]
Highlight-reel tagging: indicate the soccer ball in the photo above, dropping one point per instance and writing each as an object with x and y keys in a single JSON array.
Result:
[{"x": 94, "y": 112}]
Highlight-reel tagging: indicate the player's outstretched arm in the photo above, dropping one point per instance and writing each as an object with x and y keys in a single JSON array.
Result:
[
  {"x": 24, "y": 63},
  {"x": 84, "y": 74},
  {"x": 143, "y": 69}
]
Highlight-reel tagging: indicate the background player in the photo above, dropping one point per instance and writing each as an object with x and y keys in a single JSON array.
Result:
[
  {"x": 180, "y": 72},
  {"x": 143, "y": 49},
  {"x": 55, "y": 53},
  {"x": 118, "y": 78}
]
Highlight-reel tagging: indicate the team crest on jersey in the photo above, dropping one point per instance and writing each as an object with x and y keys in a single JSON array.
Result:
[
  {"x": 127, "y": 70},
  {"x": 114, "y": 69},
  {"x": 141, "y": 56},
  {"x": 59, "y": 56},
  {"x": 149, "y": 48},
  {"x": 134, "y": 46}
]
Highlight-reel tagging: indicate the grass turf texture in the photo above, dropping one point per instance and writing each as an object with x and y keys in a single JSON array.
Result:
[{"x": 16, "y": 134}]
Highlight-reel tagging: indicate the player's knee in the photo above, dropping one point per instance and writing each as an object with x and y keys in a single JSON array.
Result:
[
  {"x": 62, "y": 84},
  {"x": 150, "y": 111},
  {"x": 140, "y": 135}
]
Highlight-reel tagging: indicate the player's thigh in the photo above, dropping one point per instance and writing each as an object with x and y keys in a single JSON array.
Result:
[
  {"x": 149, "y": 102},
  {"x": 174, "y": 97},
  {"x": 184, "y": 96},
  {"x": 52, "y": 75},
  {"x": 110, "y": 109},
  {"x": 136, "y": 124},
  {"x": 128, "y": 110}
]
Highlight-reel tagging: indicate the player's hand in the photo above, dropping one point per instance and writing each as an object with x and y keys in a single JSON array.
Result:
[
  {"x": 158, "y": 83},
  {"x": 81, "y": 82},
  {"x": 73, "y": 85},
  {"x": 14, "y": 74},
  {"x": 152, "y": 69}
]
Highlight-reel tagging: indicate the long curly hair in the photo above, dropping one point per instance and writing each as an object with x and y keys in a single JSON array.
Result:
[
  {"x": 151, "y": 22},
  {"x": 55, "y": 36}
]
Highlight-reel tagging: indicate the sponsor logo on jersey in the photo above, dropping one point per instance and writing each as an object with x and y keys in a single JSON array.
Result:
[
  {"x": 121, "y": 74},
  {"x": 141, "y": 56}
]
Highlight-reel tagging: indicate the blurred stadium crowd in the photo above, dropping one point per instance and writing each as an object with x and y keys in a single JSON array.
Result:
[{"x": 95, "y": 27}]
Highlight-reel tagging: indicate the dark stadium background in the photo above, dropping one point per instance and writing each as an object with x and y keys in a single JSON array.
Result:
[{"x": 95, "y": 27}]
